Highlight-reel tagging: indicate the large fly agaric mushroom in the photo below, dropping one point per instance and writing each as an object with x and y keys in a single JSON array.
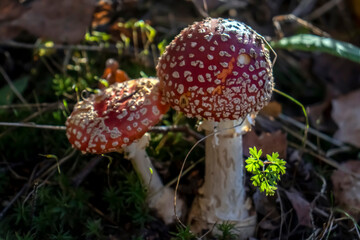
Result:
[
  {"x": 219, "y": 70},
  {"x": 116, "y": 119}
]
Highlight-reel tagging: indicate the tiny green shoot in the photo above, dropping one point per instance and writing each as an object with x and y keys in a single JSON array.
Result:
[
  {"x": 53, "y": 157},
  {"x": 266, "y": 173}
]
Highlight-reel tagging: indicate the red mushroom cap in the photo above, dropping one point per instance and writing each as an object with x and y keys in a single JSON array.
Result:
[
  {"x": 116, "y": 116},
  {"x": 217, "y": 69}
]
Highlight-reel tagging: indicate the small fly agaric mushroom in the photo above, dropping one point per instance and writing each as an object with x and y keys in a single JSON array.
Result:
[
  {"x": 117, "y": 118},
  {"x": 219, "y": 70},
  {"x": 112, "y": 73}
]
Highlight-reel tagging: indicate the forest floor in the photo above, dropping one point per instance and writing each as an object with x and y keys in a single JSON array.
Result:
[{"x": 52, "y": 54}]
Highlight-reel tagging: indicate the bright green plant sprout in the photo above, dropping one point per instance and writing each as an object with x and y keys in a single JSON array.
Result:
[
  {"x": 266, "y": 173},
  {"x": 52, "y": 156}
]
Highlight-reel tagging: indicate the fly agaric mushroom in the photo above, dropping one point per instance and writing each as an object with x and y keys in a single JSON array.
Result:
[
  {"x": 219, "y": 70},
  {"x": 117, "y": 118},
  {"x": 112, "y": 73}
]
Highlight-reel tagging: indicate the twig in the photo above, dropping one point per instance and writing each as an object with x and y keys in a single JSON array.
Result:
[
  {"x": 291, "y": 17},
  {"x": 185, "y": 128},
  {"x": 185, "y": 171},
  {"x": 304, "y": 7},
  {"x": 329, "y": 161},
  {"x": 78, "y": 178},
  {"x": 282, "y": 213},
  {"x": 27, "y": 119},
  {"x": 111, "y": 48},
  {"x": 157, "y": 129},
  {"x": 311, "y": 130},
  {"x": 323, "y": 9},
  {"x": 12, "y": 87},
  {"x": 298, "y": 136},
  {"x": 32, "y": 125},
  {"x": 313, "y": 202},
  {"x": 32, "y": 105},
  {"x": 99, "y": 212},
  {"x": 22, "y": 190}
]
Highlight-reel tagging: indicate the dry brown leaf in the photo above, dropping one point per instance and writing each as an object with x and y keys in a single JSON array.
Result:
[
  {"x": 102, "y": 14},
  {"x": 273, "y": 109},
  {"x": 268, "y": 142},
  {"x": 301, "y": 206},
  {"x": 266, "y": 206},
  {"x": 63, "y": 21},
  {"x": 346, "y": 114},
  {"x": 347, "y": 188},
  {"x": 320, "y": 113},
  {"x": 9, "y": 10}
]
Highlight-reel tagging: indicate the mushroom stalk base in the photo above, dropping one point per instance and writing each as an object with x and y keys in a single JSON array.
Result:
[
  {"x": 222, "y": 198},
  {"x": 160, "y": 198}
]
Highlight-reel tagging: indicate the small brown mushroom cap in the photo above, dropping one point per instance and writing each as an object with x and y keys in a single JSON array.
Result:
[
  {"x": 216, "y": 69},
  {"x": 116, "y": 116}
]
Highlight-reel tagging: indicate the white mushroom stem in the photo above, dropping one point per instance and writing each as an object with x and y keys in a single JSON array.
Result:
[
  {"x": 160, "y": 198},
  {"x": 222, "y": 198}
]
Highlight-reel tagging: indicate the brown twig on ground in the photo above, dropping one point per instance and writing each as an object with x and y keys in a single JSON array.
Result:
[
  {"x": 79, "y": 178},
  {"x": 101, "y": 214},
  {"x": 29, "y": 118},
  {"x": 313, "y": 131},
  {"x": 290, "y": 17},
  {"x": 327, "y": 160},
  {"x": 156, "y": 129},
  {"x": 110, "y": 48},
  {"x": 33, "y": 105}
]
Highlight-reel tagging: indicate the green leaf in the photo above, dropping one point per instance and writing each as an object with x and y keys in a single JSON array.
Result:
[
  {"x": 308, "y": 42},
  {"x": 7, "y": 95}
]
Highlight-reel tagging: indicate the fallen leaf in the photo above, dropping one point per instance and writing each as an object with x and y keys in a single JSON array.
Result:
[
  {"x": 102, "y": 14},
  {"x": 340, "y": 74},
  {"x": 63, "y": 21},
  {"x": 347, "y": 188},
  {"x": 9, "y": 10},
  {"x": 273, "y": 109},
  {"x": 346, "y": 114},
  {"x": 320, "y": 113},
  {"x": 301, "y": 206},
  {"x": 266, "y": 206},
  {"x": 268, "y": 142}
]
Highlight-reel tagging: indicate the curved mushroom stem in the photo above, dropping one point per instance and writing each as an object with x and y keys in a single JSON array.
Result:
[
  {"x": 160, "y": 197},
  {"x": 222, "y": 198}
]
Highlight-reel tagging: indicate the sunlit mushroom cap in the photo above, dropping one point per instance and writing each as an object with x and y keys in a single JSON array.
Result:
[
  {"x": 217, "y": 69},
  {"x": 116, "y": 116}
]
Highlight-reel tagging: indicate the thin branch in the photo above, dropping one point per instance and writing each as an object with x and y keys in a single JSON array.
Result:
[
  {"x": 32, "y": 125},
  {"x": 79, "y": 177},
  {"x": 12, "y": 87},
  {"x": 329, "y": 161},
  {"x": 311, "y": 130},
  {"x": 323, "y": 9},
  {"x": 32, "y": 105},
  {"x": 156, "y": 129},
  {"x": 110, "y": 48},
  {"x": 35, "y": 114}
]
